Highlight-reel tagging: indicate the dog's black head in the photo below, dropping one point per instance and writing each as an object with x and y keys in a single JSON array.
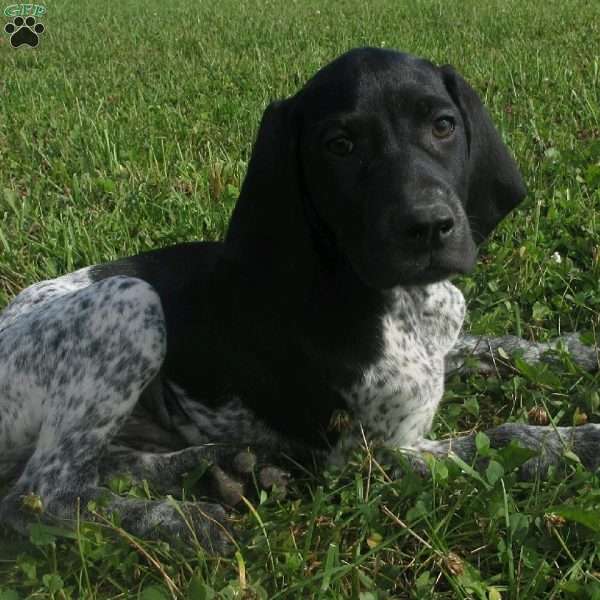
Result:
[{"x": 385, "y": 160}]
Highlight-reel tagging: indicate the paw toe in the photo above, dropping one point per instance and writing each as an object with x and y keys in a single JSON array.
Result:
[
  {"x": 270, "y": 477},
  {"x": 244, "y": 462},
  {"x": 227, "y": 489}
]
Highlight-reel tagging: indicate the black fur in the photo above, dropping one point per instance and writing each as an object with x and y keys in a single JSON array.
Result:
[
  {"x": 365, "y": 191},
  {"x": 286, "y": 310}
]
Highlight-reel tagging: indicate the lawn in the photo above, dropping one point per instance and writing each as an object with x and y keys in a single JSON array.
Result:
[{"x": 130, "y": 127}]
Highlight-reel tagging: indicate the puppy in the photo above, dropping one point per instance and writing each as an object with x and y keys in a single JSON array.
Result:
[{"x": 366, "y": 191}]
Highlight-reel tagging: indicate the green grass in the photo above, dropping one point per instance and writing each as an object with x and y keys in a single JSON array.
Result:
[{"x": 130, "y": 128}]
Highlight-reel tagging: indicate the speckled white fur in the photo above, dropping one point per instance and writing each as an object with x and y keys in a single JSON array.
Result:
[
  {"x": 397, "y": 398},
  {"x": 75, "y": 356}
]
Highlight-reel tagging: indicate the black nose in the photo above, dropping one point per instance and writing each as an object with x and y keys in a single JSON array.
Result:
[{"x": 428, "y": 227}]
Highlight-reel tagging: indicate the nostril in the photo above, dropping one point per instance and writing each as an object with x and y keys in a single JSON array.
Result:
[
  {"x": 427, "y": 226},
  {"x": 445, "y": 227}
]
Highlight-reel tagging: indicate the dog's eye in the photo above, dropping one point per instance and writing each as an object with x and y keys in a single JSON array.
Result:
[
  {"x": 341, "y": 146},
  {"x": 443, "y": 127}
]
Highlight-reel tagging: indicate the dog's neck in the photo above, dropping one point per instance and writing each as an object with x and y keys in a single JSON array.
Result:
[{"x": 302, "y": 272}]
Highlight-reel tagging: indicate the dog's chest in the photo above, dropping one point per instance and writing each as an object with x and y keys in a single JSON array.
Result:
[{"x": 397, "y": 396}]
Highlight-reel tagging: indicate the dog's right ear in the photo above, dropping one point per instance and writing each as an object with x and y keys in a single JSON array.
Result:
[
  {"x": 495, "y": 184},
  {"x": 268, "y": 222}
]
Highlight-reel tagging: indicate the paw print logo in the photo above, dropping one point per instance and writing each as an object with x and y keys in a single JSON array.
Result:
[{"x": 24, "y": 32}]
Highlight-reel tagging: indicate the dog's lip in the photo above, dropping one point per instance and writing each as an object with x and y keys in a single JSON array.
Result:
[
  {"x": 424, "y": 262},
  {"x": 404, "y": 269},
  {"x": 431, "y": 268},
  {"x": 415, "y": 276},
  {"x": 432, "y": 274}
]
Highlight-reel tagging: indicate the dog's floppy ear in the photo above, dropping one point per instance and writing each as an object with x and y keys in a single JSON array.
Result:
[
  {"x": 268, "y": 223},
  {"x": 495, "y": 185}
]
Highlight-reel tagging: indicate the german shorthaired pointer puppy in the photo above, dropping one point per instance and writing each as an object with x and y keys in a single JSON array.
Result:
[{"x": 365, "y": 192}]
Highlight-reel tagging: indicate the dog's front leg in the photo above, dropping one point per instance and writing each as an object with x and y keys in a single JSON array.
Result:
[
  {"x": 489, "y": 354},
  {"x": 550, "y": 445}
]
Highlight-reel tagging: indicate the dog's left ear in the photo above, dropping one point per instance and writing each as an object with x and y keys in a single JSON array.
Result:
[
  {"x": 268, "y": 226},
  {"x": 495, "y": 185}
]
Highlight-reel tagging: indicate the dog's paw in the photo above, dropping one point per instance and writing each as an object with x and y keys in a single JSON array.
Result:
[
  {"x": 246, "y": 475},
  {"x": 260, "y": 472},
  {"x": 410, "y": 461},
  {"x": 178, "y": 522}
]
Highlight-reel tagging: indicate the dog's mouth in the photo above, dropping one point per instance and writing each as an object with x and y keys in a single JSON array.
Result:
[
  {"x": 389, "y": 272},
  {"x": 441, "y": 265},
  {"x": 432, "y": 274}
]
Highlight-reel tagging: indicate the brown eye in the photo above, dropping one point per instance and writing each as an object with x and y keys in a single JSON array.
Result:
[
  {"x": 443, "y": 127},
  {"x": 341, "y": 146}
]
